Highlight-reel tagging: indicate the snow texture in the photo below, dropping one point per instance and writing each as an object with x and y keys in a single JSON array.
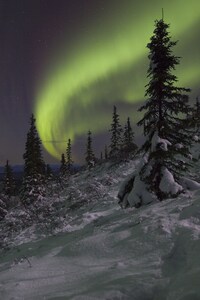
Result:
[
  {"x": 100, "y": 251},
  {"x": 139, "y": 194},
  {"x": 157, "y": 141},
  {"x": 168, "y": 184}
]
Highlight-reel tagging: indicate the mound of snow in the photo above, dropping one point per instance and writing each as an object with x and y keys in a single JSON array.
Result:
[
  {"x": 189, "y": 184},
  {"x": 139, "y": 194},
  {"x": 168, "y": 185}
]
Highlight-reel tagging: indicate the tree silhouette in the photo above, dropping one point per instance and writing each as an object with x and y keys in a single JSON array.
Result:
[
  {"x": 129, "y": 146},
  {"x": 8, "y": 181},
  {"x": 34, "y": 167},
  {"x": 69, "y": 161},
  {"x": 63, "y": 166},
  {"x": 116, "y": 139},
  {"x": 90, "y": 158},
  {"x": 164, "y": 121}
]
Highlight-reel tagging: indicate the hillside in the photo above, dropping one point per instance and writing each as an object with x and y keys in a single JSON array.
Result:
[{"x": 96, "y": 250}]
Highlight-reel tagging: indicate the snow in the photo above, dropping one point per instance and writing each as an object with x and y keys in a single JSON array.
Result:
[
  {"x": 189, "y": 184},
  {"x": 157, "y": 141},
  {"x": 168, "y": 184},
  {"x": 139, "y": 194},
  {"x": 101, "y": 251},
  {"x": 196, "y": 138},
  {"x": 178, "y": 146}
]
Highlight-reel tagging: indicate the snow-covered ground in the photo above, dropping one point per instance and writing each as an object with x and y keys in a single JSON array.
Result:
[{"x": 100, "y": 251}]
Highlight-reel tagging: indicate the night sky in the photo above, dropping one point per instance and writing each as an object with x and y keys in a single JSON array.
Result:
[{"x": 70, "y": 61}]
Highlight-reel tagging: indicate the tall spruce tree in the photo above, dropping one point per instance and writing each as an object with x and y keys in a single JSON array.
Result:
[
  {"x": 116, "y": 139},
  {"x": 129, "y": 146},
  {"x": 90, "y": 158},
  {"x": 164, "y": 121},
  {"x": 69, "y": 161},
  {"x": 34, "y": 167}
]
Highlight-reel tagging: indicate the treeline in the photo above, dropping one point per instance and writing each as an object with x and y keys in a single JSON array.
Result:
[
  {"x": 37, "y": 174},
  {"x": 122, "y": 146}
]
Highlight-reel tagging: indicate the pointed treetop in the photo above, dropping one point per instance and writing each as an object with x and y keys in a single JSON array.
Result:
[{"x": 163, "y": 14}]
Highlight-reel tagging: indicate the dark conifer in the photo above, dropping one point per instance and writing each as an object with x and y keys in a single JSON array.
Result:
[
  {"x": 34, "y": 167},
  {"x": 63, "y": 166},
  {"x": 129, "y": 147},
  {"x": 8, "y": 181},
  {"x": 164, "y": 119},
  {"x": 90, "y": 158},
  {"x": 33, "y": 160},
  {"x": 69, "y": 161},
  {"x": 116, "y": 139}
]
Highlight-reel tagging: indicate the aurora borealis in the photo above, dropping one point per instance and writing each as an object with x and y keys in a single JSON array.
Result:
[
  {"x": 93, "y": 55},
  {"x": 84, "y": 78}
]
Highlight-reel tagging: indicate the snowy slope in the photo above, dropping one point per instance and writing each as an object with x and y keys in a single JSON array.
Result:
[{"x": 103, "y": 252}]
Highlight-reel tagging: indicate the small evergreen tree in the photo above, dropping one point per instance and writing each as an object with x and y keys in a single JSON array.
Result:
[
  {"x": 90, "y": 158},
  {"x": 8, "y": 181},
  {"x": 167, "y": 139},
  {"x": 69, "y": 161},
  {"x": 34, "y": 167},
  {"x": 63, "y": 166},
  {"x": 129, "y": 147},
  {"x": 116, "y": 139}
]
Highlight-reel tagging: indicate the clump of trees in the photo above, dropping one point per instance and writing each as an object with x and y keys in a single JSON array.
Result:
[{"x": 122, "y": 144}]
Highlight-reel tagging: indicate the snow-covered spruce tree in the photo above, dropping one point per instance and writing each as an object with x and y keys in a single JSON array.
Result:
[
  {"x": 90, "y": 158},
  {"x": 34, "y": 167},
  {"x": 167, "y": 144},
  {"x": 164, "y": 121},
  {"x": 116, "y": 139},
  {"x": 129, "y": 146},
  {"x": 8, "y": 181},
  {"x": 69, "y": 161}
]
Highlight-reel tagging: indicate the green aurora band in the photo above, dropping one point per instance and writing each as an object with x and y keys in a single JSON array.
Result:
[{"x": 108, "y": 65}]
